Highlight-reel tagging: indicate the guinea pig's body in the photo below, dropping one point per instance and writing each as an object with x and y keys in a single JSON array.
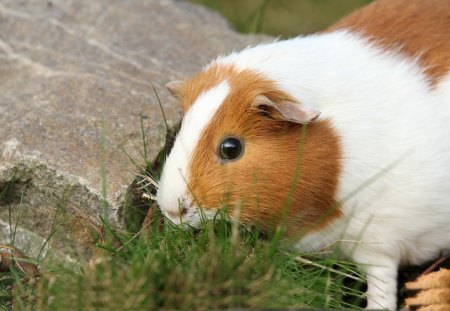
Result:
[{"x": 371, "y": 173}]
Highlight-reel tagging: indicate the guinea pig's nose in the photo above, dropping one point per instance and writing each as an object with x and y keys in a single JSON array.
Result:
[{"x": 177, "y": 213}]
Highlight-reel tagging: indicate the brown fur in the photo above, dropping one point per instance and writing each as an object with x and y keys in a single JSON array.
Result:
[
  {"x": 201, "y": 82},
  {"x": 418, "y": 28},
  {"x": 260, "y": 182}
]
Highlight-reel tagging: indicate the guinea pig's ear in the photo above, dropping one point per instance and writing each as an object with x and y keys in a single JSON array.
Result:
[
  {"x": 176, "y": 88},
  {"x": 286, "y": 110}
]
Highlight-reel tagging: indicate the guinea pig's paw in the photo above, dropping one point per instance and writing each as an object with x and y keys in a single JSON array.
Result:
[
  {"x": 433, "y": 291},
  {"x": 381, "y": 287}
]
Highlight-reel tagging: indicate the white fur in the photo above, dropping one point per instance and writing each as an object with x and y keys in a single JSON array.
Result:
[
  {"x": 394, "y": 129},
  {"x": 395, "y": 137},
  {"x": 173, "y": 190}
]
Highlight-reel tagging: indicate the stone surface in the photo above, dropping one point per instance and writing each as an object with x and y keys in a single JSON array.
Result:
[{"x": 74, "y": 73}]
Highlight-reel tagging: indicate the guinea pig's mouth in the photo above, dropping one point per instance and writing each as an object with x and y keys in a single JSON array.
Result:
[
  {"x": 188, "y": 213},
  {"x": 193, "y": 217}
]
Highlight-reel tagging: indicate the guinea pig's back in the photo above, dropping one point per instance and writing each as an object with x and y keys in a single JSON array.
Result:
[{"x": 417, "y": 28}]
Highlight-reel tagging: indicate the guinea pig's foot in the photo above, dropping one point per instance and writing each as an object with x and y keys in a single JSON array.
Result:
[
  {"x": 432, "y": 291},
  {"x": 381, "y": 287}
]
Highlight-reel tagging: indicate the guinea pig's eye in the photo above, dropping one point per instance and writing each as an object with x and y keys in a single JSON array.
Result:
[{"x": 230, "y": 149}]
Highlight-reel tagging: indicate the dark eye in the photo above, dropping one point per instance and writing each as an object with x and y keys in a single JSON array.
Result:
[{"x": 230, "y": 149}]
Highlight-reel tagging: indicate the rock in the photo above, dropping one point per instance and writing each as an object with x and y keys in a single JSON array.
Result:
[{"x": 75, "y": 77}]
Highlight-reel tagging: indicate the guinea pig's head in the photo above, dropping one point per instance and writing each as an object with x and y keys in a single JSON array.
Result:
[{"x": 245, "y": 144}]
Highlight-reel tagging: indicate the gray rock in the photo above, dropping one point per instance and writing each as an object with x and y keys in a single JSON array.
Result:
[{"x": 75, "y": 77}]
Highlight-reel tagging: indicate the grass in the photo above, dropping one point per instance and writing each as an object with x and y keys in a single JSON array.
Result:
[
  {"x": 218, "y": 267},
  {"x": 174, "y": 269},
  {"x": 285, "y": 18}
]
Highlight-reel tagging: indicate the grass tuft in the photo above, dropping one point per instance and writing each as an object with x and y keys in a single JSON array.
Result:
[{"x": 212, "y": 268}]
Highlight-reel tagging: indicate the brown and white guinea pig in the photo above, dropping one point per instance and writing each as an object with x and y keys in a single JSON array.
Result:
[{"x": 343, "y": 135}]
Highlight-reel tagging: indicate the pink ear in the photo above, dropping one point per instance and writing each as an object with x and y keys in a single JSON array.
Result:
[
  {"x": 288, "y": 110},
  {"x": 175, "y": 88}
]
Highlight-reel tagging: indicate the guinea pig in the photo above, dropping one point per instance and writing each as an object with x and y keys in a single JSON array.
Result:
[{"x": 343, "y": 137}]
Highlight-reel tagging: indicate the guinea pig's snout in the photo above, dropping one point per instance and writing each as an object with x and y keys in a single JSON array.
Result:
[
  {"x": 177, "y": 213},
  {"x": 175, "y": 209}
]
